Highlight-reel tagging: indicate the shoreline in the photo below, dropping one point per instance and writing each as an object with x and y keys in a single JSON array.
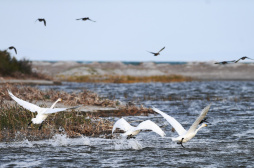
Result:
[{"x": 197, "y": 71}]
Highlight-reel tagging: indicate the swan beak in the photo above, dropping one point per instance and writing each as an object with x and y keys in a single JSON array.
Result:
[{"x": 205, "y": 125}]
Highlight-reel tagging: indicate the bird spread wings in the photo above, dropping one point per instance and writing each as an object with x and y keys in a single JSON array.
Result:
[
  {"x": 243, "y": 58},
  {"x": 149, "y": 125},
  {"x": 121, "y": 124},
  {"x": 29, "y": 106},
  {"x": 162, "y": 49},
  {"x": 177, "y": 126},
  {"x": 199, "y": 119}
]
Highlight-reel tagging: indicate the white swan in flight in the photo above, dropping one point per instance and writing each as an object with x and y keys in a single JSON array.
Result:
[
  {"x": 131, "y": 131},
  {"x": 42, "y": 112},
  {"x": 185, "y": 135}
]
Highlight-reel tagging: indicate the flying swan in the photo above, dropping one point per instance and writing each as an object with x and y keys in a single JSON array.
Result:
[
  {"x": 42, "y": 112},
  {"x": 185, "y": 136},
  {"x": 131, "y": 131}
]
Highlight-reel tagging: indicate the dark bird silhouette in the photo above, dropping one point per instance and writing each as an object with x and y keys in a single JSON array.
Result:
[
  {"x": 85, "y": 19},
  {"x": 11, "y": 47},
  {"x": 42, "y": 20},
  {"x": 225, "y": 62},
  {"x": 243, "y": 58},
  {"x": 158, "y": 53}
]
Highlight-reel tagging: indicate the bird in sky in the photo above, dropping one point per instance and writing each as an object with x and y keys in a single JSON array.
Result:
[
  {"x": 225, "y": 62},
  {"x": 158, "y": 53},
  {"x": 131, "y": 131},
  {"x": 185, "y": 135},
  {"x": 42, "y": 113},
  {"x": 12, "y": 47},
  {"x": 243, "y": 58},
  {"x": 42, "y": 20},
  {"x": 85, "y": 19}
]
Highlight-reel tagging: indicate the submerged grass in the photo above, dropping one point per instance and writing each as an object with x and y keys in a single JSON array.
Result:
[
  {"x": 14, "y": 118},
  {"x": 126, "y": 79}
]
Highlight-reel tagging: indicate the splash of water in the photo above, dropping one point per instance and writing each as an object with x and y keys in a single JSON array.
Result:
[
  {"x": 60, "y": 140},
  {"x": 124, "y": 144}
]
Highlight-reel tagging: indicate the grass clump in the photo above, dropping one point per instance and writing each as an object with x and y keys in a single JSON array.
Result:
[{"x": 14, "y": 118}]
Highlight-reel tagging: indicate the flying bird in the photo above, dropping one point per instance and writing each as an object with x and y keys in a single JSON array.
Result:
[
  {"x": 185, "y": 135},
  {"x": 225, "y": 62},
  {"x": 42, "y": 20},
  {"x": 131, "y": 131},
  {"x": 243, "y": 58},
  {"x": 43, "y": 113},
  {"x": 158, "y": 53},
  {"x": 85, "y": 19},
  {"x": 11, "y": 47}
]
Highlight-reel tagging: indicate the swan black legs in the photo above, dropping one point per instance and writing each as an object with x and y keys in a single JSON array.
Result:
[
  {"x": 29, "y": 124},
  {"x": 181, "y": 143},
  {"x": 41, "y": 125}
]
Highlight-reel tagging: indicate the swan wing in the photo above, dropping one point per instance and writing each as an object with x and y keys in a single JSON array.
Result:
[
  {"x": 121, "y": 124},
  {"x": 55, "y": 110},
  {"x": 29, "y": 106},
  {"x": 149, "y": 125},
  {"x": 177, "y": 126},
  {"x": 199, "y": 119}
]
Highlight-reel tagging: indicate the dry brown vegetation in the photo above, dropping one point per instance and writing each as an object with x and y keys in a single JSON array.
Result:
[
  {"x": 126, "y": 79},
  {"x": 14, "y": 118}
]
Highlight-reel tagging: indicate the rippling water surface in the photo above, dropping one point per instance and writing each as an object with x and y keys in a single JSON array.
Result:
[{"x": 227, "y": 141}]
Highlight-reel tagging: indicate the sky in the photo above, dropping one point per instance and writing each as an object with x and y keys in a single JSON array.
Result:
[{"x": 190, "y": 30}]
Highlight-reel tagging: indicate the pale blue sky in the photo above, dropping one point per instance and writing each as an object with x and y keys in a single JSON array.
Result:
[{"x": 191, "y": 30}]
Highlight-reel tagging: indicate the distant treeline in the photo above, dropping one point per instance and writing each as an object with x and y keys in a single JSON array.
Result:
[{"x": 10, "y": 66}]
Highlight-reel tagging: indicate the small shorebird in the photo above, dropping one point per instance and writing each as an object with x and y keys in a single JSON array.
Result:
[
  {"x": 225, "y": 62},
  {"x": 85, "y": 19},
  {"x": 42, "y": 113},
  {"x": 158, "y": 53},
  {"x": 185, "y": 135},
  {"x": 12, "y": 47},
  {"x": 243, "y": 58},
  {"x": 131, "y": 131},
  {"x": 42, "y": 20}
]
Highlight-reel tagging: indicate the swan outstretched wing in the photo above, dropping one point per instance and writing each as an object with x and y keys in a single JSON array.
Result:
[
  {"x": 29, "y": 106},
  {"x": 149, "y": 125},
  {"x": 55, "y": 110},
  {"x": 199, "y": 119},
  {"x": 177, "y": 126},
  {"x": 121, "y": 124}
]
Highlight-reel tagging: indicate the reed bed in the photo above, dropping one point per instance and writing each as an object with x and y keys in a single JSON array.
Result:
[
  {"x": 14, "y": 118},
  {"x": 125, "y": 79}
]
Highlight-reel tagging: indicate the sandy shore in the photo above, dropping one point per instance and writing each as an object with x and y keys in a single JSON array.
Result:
[{"x": 196, "y": 70}]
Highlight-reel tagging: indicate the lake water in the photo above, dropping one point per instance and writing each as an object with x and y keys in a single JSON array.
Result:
[{"x": 228, "y": 141}]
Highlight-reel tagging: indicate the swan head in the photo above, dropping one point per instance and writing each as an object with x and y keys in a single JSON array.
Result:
[
  {"x": 59, "y": 99},
  {"x": 203, "y": 125}
]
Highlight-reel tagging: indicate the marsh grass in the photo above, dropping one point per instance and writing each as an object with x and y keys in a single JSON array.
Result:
[
  {"x": 125, "y": 79},
  {"x": 14, "y": 119}
]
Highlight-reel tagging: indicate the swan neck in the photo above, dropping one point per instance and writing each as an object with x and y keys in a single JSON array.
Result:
[
  {"x": 199, "y": 128},
  {"x": 53, "y": 105}
]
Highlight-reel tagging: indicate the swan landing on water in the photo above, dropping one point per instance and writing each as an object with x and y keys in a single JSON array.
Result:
[
  {"x": 43, "y": 113},
  {"x": 131, "y": 131},
  {"x": 184, "y": 135}
]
